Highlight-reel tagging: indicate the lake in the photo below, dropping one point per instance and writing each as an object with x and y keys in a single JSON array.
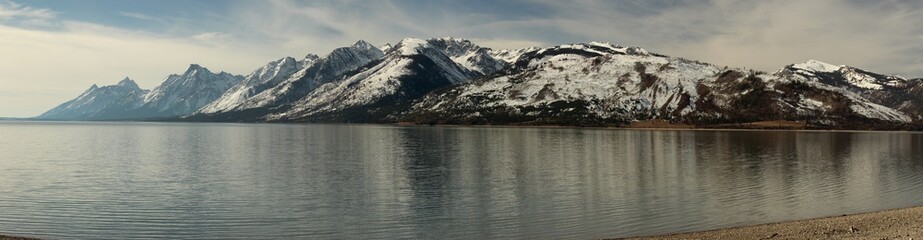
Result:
[{"x": 65, "y": 180}]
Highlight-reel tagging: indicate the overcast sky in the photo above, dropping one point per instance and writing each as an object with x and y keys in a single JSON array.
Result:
[{"x": 51, "y": 51}]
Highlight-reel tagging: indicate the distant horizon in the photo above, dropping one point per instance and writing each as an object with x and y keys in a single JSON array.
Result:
[{"x": 87, "y": 44}]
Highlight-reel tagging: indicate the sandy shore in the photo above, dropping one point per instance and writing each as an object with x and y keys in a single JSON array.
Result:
[{"x": 904, "y": 223}]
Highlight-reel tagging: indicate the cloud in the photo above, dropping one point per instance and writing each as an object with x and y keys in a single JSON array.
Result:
[
  {"x": 10, "y": 10},
  {"x": 876, "y": 35},
  {"x": 506, "y": 43},
  {"x": 318, "y": 27},
  {"x": 48, "y": 67},
  {"x": 217, "y": 39},
  {"x": 770, "y": 34},
  {"x": 141, "y": 16},
  {"x": 880, "y": 36}
]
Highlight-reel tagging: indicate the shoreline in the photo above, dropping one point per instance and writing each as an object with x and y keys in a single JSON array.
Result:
[
  {"x": 903, "y": 223},
  {"x": 698, "y": 129},
  {"x": 613, "y": 127},
  {"x": 7, "y": 237}
]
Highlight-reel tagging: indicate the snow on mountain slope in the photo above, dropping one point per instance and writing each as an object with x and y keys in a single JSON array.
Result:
[
  {"x": 605, "y": 83},
  {"x": 412, "y": 68},
  {"x": 449, "y": 80},
  {"x": 468, "y": 55},
  {"x": 619, "y": 81},
  {"x": 815, "y": 66},
  {"x": 385, "y": 48},
  {"x": 827, "y": 100},
  {"x": 259, "y": 80},
  {"x": 893, "y": 94},
  {"x": 313, "y": 74},
  {"x": 95, "y": 100},
  {"x": 184, "y": 94},
  {"x": 510, "y": 55},
  {"x": 842, "y": 75}
]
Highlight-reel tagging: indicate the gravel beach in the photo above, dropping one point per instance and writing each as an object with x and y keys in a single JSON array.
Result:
[{"x": 904, "y": 223}]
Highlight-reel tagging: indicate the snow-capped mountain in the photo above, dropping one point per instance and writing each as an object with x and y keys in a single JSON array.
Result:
[
  {"x": 510, "y": 55},
  {"x": 97, "y": 101},
  {"x": 894, "y": 92},
  {"x": 411, "y": 68},
  {"x": 184, "y": 94},
  {"x": 843, "y": 76},
  {"x": 258, "y": 81},
  {"x": 313, "y": 73},
  {"x": 598, "y": 81},
  {"x": 468, "y": 55},
  {"x": 450, "y": 80},
  {"x": 601, "y": 83}
]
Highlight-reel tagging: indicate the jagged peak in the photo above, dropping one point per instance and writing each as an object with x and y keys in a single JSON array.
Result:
[
  {"x": 454, "y": 46},
  {"x": 362, "y": 44},
  {"x": 367, "y": 49},
  {"x": 451, "y": 39},
  {"x": 420, "y": 41},
  {"x": 361, "y": 48},
  {"x": 92, "y": 88},
  {"x": 127, "y": 82},
  {"x": 194, "y": 67},
  {"x": 311, "y": 57},
  {"x": 283, "y": 61},
  {"x": 275, "y": 64}
]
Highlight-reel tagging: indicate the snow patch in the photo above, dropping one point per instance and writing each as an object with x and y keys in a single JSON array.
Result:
[
  {"x": 411, "y": 46},
  {"x": 817, "y": 66}
]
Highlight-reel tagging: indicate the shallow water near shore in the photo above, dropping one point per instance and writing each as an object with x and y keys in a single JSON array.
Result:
[{"x": 65, "y": 180}]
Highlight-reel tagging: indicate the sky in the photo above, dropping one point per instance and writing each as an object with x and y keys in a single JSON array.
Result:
[{"x": 51, "y": 51}]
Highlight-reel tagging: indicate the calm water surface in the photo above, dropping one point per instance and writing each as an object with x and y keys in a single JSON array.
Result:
[{"x": 221, "y": 181}]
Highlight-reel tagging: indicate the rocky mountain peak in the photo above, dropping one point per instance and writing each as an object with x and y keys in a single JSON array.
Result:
[{"x": 127, "y": 82}]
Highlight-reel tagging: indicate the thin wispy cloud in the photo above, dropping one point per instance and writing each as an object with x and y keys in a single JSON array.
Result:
[
  {"x": 215, "y": 39},
  {"x": 15, "y": 13},
  {"x": 10, "y": 10},
  {"x": 764, "y": 35},
  {"x": 141, "y": 16},
  {"x": 47, "y": 66},
  {"x": 148, "y": 41}
]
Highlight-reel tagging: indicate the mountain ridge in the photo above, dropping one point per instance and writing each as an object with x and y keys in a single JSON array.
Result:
[{"x": 454, "y": 81}]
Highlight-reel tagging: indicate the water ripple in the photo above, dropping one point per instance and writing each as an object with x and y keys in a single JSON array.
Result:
[{"x": 232, "y": 181}]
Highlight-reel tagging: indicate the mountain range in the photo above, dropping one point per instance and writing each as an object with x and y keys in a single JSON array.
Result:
[{"x": 455, "y": 81}]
